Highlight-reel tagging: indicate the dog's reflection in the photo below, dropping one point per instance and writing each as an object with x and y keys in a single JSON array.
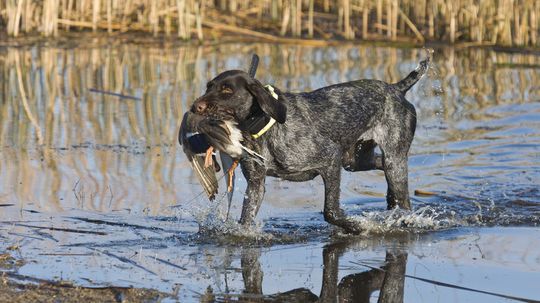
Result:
[{"x": 388, "y": 279}]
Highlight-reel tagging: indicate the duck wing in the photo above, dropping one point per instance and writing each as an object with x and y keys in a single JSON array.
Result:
[{"x": 194, "y": 144}]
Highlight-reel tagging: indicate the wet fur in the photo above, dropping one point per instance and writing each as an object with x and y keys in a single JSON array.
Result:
[{"x": 321, "y": 132}]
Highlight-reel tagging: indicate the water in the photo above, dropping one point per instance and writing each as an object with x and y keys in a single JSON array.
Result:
[{"x": 94, "y": 188}]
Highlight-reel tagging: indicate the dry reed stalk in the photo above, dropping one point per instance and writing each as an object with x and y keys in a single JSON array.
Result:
[
  {"x": 127, "y": 9},
  {"x": 233, "y": 6},
  {"x": 298, "y": 18},
  {"x": 27, "y": 20},
  {"x": 394, "y": 19},
  {"x": 154, "y": 19},
  {"x": 503, "y": 22},
  {"x": 411, "y": 25},
  {"x": 340, "y": 17},
  {"x": 534, "y": 23},
  {"x": 199, "y": 12},
  {"x": 379, "y": 15},
  {"x": 109, "y": 16},
  {"x": 188, "y": 20},
  {"x": 452, "y": 24},
  {"x": 95, "y": 14},
  {"x": 11, "y": 11},
  {"x": 431, "y": 20},
  {"x": 168, "y": 25},
  {"x": 180, "y": 6},
  {"x": 310, "y": 18},
  {"x": 389, "y": 19},
  {"x": 18, "y": 17},
  {"x": 349, "y": 34},
  {"x": 294, "y": 24},
  {"x": 274, "y": 10},
  {"x": 286, "y": 18},
  {"x": 239, "y": 30},
  {"x": 365, "y": 21}
]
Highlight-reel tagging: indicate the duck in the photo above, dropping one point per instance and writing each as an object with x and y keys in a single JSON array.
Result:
[{"x": 201, "y": 136}]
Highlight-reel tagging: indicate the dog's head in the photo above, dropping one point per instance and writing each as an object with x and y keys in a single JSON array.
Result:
[{"x": 234, "y": 95}]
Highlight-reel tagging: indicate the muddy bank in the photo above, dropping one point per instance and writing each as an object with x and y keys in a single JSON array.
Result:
[{"x": 20, "y": 288}]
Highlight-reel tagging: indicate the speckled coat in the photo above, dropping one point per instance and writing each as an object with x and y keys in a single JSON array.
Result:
[{"x": 319, "y": 133}]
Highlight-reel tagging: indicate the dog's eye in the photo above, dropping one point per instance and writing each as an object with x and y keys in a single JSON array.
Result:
[{"x": 226, "y": 90}]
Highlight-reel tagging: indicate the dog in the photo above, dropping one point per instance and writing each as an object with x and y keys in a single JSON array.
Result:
[{"x": 304, "y": 135}]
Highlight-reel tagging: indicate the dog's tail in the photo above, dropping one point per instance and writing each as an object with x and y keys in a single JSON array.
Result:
[{"x": 408, "y": 82}]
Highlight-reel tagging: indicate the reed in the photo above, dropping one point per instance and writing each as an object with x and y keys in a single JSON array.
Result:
[{"x": 492, "y": 22}]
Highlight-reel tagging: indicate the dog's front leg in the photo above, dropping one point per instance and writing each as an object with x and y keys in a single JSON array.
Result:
[
  {"x": 255, "y": 175},
  {"x": 333, "y": 213}
]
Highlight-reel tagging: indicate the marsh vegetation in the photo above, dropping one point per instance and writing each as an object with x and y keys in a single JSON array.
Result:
[{"x": 478, "y": 22}]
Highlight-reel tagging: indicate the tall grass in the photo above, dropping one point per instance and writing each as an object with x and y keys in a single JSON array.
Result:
[{"x": 498, "y": 22}]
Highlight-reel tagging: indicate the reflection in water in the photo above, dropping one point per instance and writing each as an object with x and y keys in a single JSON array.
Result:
[
  {"x": 64, "y": 147},
  {"x": 359, "y": 287},
  {"x": 459, "y": 265},
  {"x": 388, "y": 280}
]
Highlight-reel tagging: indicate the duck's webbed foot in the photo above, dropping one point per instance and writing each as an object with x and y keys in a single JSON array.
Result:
[
  {"x": 230, "y": 172},
  {"x": 208, "y": 157}
]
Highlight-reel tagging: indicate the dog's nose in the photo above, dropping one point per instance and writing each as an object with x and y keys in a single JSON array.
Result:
[{"x": 200, "y": 106}]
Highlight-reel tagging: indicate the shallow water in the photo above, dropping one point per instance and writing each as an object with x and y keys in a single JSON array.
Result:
[{"x": 95, "y": 189}]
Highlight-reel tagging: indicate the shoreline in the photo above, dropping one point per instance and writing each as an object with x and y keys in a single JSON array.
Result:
[{"x": 141, "y": 38}]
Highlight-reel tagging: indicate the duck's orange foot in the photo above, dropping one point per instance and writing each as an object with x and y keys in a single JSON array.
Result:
[
  {"x": 208, "y": 157},
  {"x": 230, "y": 172}
]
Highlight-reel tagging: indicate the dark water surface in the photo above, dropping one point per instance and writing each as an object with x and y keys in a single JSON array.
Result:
[{"x": 94, "y": 188}]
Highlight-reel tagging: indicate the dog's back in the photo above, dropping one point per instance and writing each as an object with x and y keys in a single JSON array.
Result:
[{"x": 344, "y": 112}]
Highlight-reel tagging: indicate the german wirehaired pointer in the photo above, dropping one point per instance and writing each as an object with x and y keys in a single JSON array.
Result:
[{"x": 317, "y": 133}]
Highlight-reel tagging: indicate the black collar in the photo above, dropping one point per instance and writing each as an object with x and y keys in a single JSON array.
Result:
[{"x": 259, "y": 123}]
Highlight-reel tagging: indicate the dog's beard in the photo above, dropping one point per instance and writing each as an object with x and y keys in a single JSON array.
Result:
[{"x": 218, "y": 113}]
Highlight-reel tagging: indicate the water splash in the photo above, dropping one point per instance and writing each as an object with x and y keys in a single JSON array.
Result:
[
  {"x": 423, "y": 219},
  {"x": 214, "y": 224},
  {"x": 426, "y": 217}
]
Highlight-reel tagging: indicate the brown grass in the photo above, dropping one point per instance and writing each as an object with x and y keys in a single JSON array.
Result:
[{"x": 492, "y": 22}]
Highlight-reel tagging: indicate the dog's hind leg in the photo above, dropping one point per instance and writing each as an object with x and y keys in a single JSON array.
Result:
[
  {"x": 362, "y": 157},
  {"x": 396, "y": 173},
  {"x": 395, "y": 150}
]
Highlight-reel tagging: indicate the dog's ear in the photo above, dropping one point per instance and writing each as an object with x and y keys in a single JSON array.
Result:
[{"x": 271, "y": 106}]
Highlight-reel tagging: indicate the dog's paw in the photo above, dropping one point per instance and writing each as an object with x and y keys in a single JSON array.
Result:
[{"x": 351, "y": 226}]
